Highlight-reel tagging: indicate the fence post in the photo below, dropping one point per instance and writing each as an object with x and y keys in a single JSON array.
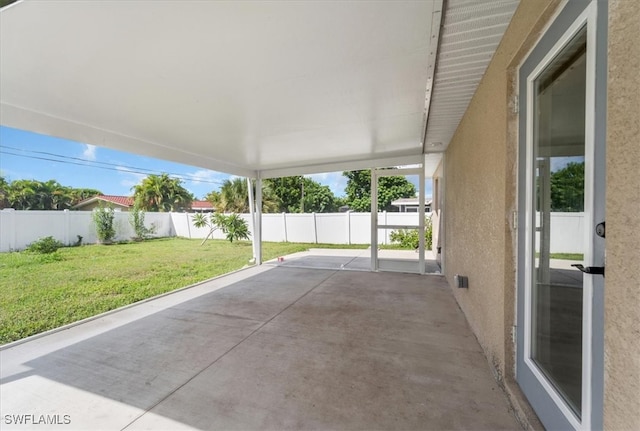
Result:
[
  {"x": 315, "y": 227},
  {"x": 66, "y": 227},
  {"x": 188, "y": 225},
  {"x": 348, "y": 227},
  {"x": 11, "y": 227},
  {"x": 284, "y": 224}
]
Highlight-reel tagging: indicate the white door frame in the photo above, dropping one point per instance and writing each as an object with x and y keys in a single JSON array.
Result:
[
  {"x": 529, "y": 375},
  {"x": 375, "y": 226}
]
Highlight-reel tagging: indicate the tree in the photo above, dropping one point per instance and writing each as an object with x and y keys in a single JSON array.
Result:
[
  {"x": 233, "y": 197},
  {"x": 233, "y": 226},
  {"x": 4, "y": 193},
  {"x": 162, "y": 193},
  {"x": 22, "y": 195},
  {"x": 567, "y": 188},
  {"x": 300, "y": 194},
  {"x": 289, "y": 192},
  {"x": 318, "y": 198},
  {"x": 82, "y": 194},
  {"x": 38, "y": 195},
  {"x": 214, "y": 198},
  {"x": 54, "y": 196},
  {"x": 389, "y": 189}
]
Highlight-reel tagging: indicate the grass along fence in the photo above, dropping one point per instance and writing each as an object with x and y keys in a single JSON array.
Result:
[{"x": 20, "y": 228}]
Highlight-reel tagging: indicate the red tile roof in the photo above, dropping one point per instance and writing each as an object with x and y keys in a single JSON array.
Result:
[
  {"x": 127, "y": 201},
  {"x": 124, "y": 201},
  {"x": 201, "y": 205}
]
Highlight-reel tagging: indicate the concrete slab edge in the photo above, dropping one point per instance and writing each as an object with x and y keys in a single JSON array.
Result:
[
  {"x": 520, "y": 407},
  {"x": 119, "y": 309}
]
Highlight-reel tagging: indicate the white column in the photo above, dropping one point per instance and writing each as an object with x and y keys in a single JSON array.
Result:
[
  {"x": 258, "y": 225},
  {"x": 421, "y": 231},
  {"x": 374, "y": 220},
  {"x": 252, "y": 215}
]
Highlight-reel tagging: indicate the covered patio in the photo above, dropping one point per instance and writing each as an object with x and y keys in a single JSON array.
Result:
[
  {"x": 264, "y": 90},
  {"x": 259, "y": 90},
  {"x": 265, "y": 348}
]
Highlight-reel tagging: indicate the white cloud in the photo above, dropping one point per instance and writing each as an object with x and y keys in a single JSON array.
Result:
[
  {"x": 335, "y": 180},
  {"x": 131, "y": 178},
  {"x": 204, "y": 176},
  {"x": 89, "y": 152}
]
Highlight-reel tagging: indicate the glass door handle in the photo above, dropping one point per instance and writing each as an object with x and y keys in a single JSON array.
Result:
[{"x": 595, "y": 270}]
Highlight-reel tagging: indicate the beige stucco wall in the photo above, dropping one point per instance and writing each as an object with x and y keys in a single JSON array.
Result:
[
  {"x": 480, "y": 198},
  {"x": 480, "y": 195},
  {"x": 622, "y": 283}
]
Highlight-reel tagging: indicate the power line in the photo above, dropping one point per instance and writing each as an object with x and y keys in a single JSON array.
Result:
[
  {"x": 108, "y": 166},
  {"x": 77, "y": 158}
]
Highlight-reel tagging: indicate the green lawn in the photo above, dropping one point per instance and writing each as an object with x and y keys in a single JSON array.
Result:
[
  {"x": 565, "y": 256},
  {"x": 41, "y": 292}
]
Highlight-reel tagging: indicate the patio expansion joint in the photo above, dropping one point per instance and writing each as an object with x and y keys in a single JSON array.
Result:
[{"x": 333, "y": 272}]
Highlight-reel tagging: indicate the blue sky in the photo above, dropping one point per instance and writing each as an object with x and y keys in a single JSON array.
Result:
[{"x": 26, "y": 155}]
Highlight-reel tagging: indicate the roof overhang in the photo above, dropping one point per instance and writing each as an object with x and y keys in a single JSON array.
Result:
[
  {"x": 94, "y": 199},
  {"x": 247, "y": 88}
]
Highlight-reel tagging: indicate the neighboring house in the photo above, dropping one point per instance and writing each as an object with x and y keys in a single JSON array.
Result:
[
  {"x": 123, "y": 203},
  {"x": 201, "y": 207},
  {"x": 119, "y": 203},
  {"x": 410, "y": 205}
]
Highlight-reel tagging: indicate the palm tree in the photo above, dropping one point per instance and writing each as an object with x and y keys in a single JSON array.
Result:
[
  {"x": 38, "y": 195},
  {"x": 22, "y": 195},
  {"x": 162, "y": 193},
  {"x": 82, "y": 194},
  {"x": 234, "y": 197},
  {"x": 54, "y": 196},
  {"x": 4, "y": 193}
]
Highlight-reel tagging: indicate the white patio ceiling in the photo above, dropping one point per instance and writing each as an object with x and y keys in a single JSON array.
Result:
[{"x": 239, "y": 87}]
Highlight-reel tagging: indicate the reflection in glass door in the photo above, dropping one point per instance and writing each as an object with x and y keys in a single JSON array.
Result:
[{"x": 559, "y": 160}]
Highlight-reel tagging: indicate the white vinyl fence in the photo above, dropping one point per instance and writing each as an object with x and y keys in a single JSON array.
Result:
[
  {"x": 20, "y": 228},
  {"x": 323, "y": 228}
]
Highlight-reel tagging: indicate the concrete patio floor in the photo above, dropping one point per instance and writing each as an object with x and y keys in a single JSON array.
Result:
[
  {"x": 359, "y": 260},
  {"x": 264, "y": 348}
]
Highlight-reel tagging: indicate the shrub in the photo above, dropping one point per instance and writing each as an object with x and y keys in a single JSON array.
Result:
[
  {"x": 428, "y": 233},
  {"x": 45, "y": 245},
  {"x": 408, "y": 238},
  {"x": 136, "y": 219},
  {"x": 103, "y": 220}
]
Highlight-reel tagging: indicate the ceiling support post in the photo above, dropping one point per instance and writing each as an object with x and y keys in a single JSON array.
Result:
[{"x": 258, "y": 220}]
